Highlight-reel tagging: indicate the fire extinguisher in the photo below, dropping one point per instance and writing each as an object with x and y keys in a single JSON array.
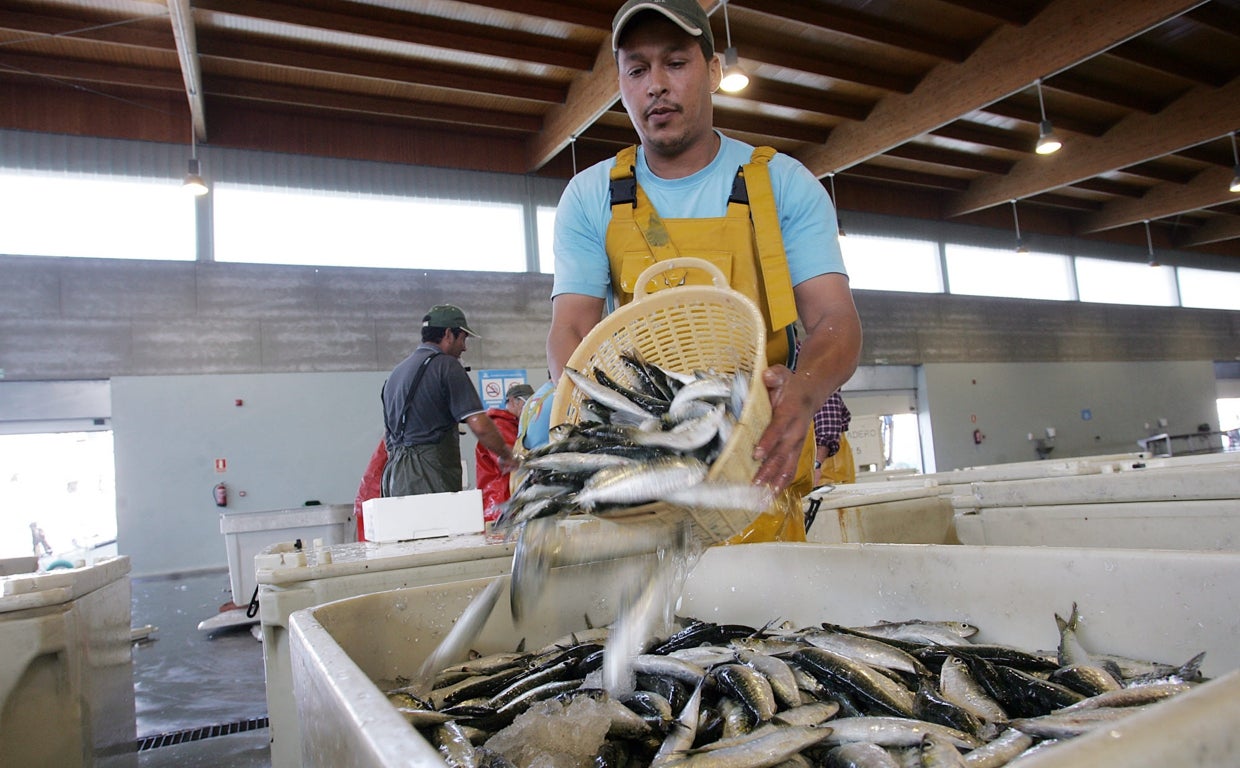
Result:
[{"x": 221, "y": 495}]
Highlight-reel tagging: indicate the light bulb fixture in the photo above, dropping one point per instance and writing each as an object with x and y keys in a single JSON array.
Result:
[
  {"x": 1235, "y": 157},
  {"x": 193, "y": 182},
  {"x": 1020, "y": 246},
  {"x": 1149, "y": 245},
  {"x": 734, "y": 76},
  {"x": 1048, "y": 142},
  {"x": 839, "y": 223}
]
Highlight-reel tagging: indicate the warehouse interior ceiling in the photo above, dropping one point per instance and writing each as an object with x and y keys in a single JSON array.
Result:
[{"x": 920, "y": 108}]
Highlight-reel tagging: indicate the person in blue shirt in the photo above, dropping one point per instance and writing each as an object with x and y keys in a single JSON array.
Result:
[{"x": 667, "y": 71}]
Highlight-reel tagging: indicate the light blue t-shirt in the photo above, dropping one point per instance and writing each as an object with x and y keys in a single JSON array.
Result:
[{"x": 806, "y": 216}]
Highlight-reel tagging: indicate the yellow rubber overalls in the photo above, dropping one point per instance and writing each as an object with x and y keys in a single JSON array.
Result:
[{"x": 747, "y": 246}]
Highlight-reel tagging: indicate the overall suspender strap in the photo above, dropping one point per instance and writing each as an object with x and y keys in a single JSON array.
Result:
[
  {"x": 413, "y": 387},
  {"x": 628, "y": 200},
  {"x": 773, "y": 262}
]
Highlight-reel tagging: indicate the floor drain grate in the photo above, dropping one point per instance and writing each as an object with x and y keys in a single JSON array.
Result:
[{"x": 198, "y": 734}]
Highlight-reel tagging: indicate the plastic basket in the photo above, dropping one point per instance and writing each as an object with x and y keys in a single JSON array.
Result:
[{"x": 683, "y": 328}]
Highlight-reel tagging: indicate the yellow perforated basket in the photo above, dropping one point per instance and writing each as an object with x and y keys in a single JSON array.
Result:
[{"x": 683, "y": 328}]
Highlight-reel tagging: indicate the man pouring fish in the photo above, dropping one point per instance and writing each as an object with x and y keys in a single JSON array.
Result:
[
  {"x": 759, "y": 217},
  {"x": 688, "y": 190}
]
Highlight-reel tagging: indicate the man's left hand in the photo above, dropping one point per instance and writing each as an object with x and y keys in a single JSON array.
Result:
[
  {"x": 508, "y": 464},
  {"x": 779, "y": 448}
]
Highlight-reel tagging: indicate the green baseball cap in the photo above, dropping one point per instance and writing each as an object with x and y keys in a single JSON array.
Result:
[
  {"x": 686, "y": 14},
  {"x": 447, "y": 316}
]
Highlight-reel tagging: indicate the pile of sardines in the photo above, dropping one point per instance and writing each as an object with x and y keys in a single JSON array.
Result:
[
  {"x": 633, "y": 445},
  {"x": 910, "y": 693}
]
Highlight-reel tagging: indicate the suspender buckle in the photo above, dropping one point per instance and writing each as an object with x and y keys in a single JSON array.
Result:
[
  {"x": 624, "y": 191},
  {"x": 740, "y": 192}
]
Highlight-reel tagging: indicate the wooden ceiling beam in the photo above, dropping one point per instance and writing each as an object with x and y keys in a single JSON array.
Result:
[
  {"x": 911, "y": 178},
  {"x": 1101, "y": 92},
  {"x": 71, "y": 71},
  {"x": 1207, "y": 190},
  {"x": 374, "y": 68},
  {"x": 1219, "y": 17},
  {"x": 1003, "y": 11},
  {"x": 763, "y": 91},
  {"x": 985, "y": 136},
  {"x": 93, "y": 28},
  {"x": 1065, "y": 33},
  {"x": 589, "y": 95},
  {"x": 409, "y": 28},
  {"x": 1158, "y": 60},
  {"x": 1158, "y": 172},
  {"x": 1110, "y": 187},
  {"x": 951, "y": 158},
  {"x": 836, "y": 68},
  {"x": 182, "y": 18},
  {"x": 1066, "y": 201},
  {"x": 863, "y": 26},
  {"x": 610, "y": 134},
  {"x": 1216, "y": 230},
  {"x": 764, "y": 125},
  {"x": 380, "y": 106},
  {"x": 1203, "y": 114},
  {"x": 568, "y": 13},
  {"x": 1026, "y": 110}
]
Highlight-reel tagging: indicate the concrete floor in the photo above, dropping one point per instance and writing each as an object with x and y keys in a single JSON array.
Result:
[{"x": 186, "y": 679}]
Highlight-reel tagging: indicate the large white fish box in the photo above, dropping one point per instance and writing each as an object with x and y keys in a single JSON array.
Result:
[
  {"x": 1029, "y": 470},
  {"x": 247, "y": 534},
  {"x": 1159, "y": 605},
  {"x": 348, "y": 570},
  {"x": 912, "y": 511},
  {"x": 1161, "y": 503},
  {"x": 405, "y": 518},
  {"x": 66, "y": 672}
]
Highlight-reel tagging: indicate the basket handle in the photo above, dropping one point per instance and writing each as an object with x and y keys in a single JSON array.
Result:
[{"x": 680, "y": 262}]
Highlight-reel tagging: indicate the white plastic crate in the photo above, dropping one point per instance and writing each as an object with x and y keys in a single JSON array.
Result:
[
  {"x": 1205, "y": 524},
  {"x": 66, "y": 671},
  {"x": 359, "y": 568},
  {"x": 1145, "y": 604},
  {"x": 911, "y": 511},
  {"x": 247, "y": 534}
]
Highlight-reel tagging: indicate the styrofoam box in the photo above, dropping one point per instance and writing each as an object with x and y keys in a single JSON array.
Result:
[
  {"x": 405, "y": 518},
  {"x": 66, "y": 672},
  {"x": 247, "y": 534},
  {"x": 906, "y": 512},
  {"x": 1159, "y": 605},
  {"x": 358, "y": 568}
]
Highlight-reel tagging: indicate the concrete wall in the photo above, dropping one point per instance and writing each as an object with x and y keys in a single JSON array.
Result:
[
  {"x": 1094, "y": 408},
  {"x": 295, "y": 438},
  {"x": 97, "y": 318}
]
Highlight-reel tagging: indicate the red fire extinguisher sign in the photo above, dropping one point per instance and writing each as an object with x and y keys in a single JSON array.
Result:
[{"x": 221, "y": 465}]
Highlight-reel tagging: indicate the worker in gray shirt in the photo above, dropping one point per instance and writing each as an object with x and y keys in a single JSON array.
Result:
[{"x": 424, "y": 398}]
